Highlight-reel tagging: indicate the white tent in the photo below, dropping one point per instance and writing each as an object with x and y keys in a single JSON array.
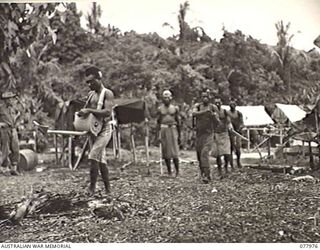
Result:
[
  {"x": 253, "y": 115},
  {"x": 288, "y": 111}
]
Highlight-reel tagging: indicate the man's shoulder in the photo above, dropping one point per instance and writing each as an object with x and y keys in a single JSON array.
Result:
[
  {"x": 108, "y": 92},
  {"x": 176, "y": 107}
]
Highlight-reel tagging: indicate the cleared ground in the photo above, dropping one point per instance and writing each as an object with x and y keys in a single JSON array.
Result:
[{"x": 248, "y": 206}]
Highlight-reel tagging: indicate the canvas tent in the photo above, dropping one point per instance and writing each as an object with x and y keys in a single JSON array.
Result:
[
  {"x": 129, "y": 111},
  {"x": 288, "y": 112},
  {"x": 253, "y": 116}
]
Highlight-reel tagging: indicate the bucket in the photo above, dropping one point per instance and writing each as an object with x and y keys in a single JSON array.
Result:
[
  {"x": 89, "y": 123},
  {"x": 28, "y": 160}
]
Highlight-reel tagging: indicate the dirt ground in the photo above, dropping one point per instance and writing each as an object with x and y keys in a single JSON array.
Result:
[{"x": 249, "y": 205}]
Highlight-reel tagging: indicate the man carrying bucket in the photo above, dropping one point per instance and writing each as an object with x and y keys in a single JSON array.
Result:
[
  {"x": 168, "y": 131},
  {"x": 9, "y": 142},
  {"x": 99, "y": 103}
]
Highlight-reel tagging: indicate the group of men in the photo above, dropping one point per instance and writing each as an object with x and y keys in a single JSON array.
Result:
[
  {"x": 217, "y": 130},
  {"x": 214, "y": 128}
]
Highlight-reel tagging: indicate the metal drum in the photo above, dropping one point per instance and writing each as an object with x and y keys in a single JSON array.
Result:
[{"x": 28, "y": 160}]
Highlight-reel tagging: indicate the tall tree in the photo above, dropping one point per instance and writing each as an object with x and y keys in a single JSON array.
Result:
[
  {"x": 20, "y": 25},
  {"x": 283, "y": 53},
  {"x": 93, "y": 18}
]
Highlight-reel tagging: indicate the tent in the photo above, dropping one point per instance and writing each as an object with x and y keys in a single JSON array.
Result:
[
  {"x": 130, "y": 111},
  {"x": 253, "y": 116},
  {"x": 284, "y": 112}
]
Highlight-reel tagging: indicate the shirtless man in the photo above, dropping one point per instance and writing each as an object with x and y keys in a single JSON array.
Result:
[
  {"x": 168, "y": 131},
  {"x": 237, "y": 124},
  {"x": 99, "y": 103}
]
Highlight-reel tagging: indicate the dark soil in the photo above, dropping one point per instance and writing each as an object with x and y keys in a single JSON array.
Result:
[{"x": 249, "y": 205}]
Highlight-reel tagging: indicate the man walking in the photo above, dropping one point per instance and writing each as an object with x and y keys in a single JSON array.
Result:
[
  {"x": 236, "y": 118},
  {"x": 99, "y": 103},
  {"x": 168, "y": 131},
  {"x": 9, "y": 142},
  {"x": 204, "y": 117},
  {"x": 221, "y": 140}
]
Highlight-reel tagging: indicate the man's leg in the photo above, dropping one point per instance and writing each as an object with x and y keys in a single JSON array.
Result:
[
  {"x": 238, "y": 154},
  {"x": 199, "y": 160},
  {"x": 176, "y": 165},
  {"x": 232, "y": 149},
  {"x": 15, "y": 152},
  {"x": 105, "y": 177},
  {"x": 226, "y": 162},
  {"x": 219, "y": 164},
  {"x": 168, "y": 164},
  {"x": 205, "y": 161},
  {"x": 94, "y": 166}
]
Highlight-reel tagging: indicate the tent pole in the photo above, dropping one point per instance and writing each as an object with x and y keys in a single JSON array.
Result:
[
  {"x": 133, "y": 145},
  {"x": 70, "y": 151},
  {"x": 248, "y": 136},
  {"x": 114, "y": 143},
  {"x": 281, "y": 136},
  {"x": 55, "y": 142},
  {"x": 114, "y": 138},
  {"x": 119, "y": 141},
  {"x": 147, "y": 143}
]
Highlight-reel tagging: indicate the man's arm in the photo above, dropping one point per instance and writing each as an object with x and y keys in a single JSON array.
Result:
[
  {"x": 196, "y": 111},
  {"x": 228, "y": 121},
  {"x": 178, "y": 120},
  {"x": 108, "y": 104},
  {"x": 241, "y": 125},
  {"x": 159, "y": 117}
]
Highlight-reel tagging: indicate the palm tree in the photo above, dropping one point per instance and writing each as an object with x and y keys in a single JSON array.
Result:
[
  {"x": 283, "y": 53},
  {"x": 181, "y": 19},
  {"x": 93, "y": 18}
]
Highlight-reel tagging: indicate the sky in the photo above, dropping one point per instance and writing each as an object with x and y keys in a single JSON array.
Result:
[{"x": 253, "y": 17}]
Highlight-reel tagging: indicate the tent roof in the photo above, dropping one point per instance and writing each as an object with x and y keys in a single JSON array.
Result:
[
  {"x": 253, "y": 115},
  {"x": 130, "y": 110},
  {"x": 292, "y": 112}
]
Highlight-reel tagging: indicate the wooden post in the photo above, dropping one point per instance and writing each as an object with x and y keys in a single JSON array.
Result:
[
  {"x": 55, "y": 142},
  {"x": 70, "y": 151},
  {"x": 81, "y": 153},
  {"x": 160, "y": 153},
  {"x": 114, "y": 142},
  {"x": 133, "y": 145},
  {"x": 248, "y": 136},
  {"x": 114, "y": 135},
  {"x": 62, "y": 151},
  {"x": 119, "y": 141},
  {"x": 311, "y": 155},
  {"x": 35, "y": 137},
  {"x": 147, "y": 143},
  {"x": 281, "y": 135}
]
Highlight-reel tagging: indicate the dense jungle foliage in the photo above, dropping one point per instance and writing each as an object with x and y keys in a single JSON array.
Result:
[{"x": 45, "y": 51}]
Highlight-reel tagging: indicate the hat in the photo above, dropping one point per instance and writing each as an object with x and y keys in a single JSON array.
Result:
[
  {"x": 167, "y": 93},
  {"x": 93, "y": 73}
]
